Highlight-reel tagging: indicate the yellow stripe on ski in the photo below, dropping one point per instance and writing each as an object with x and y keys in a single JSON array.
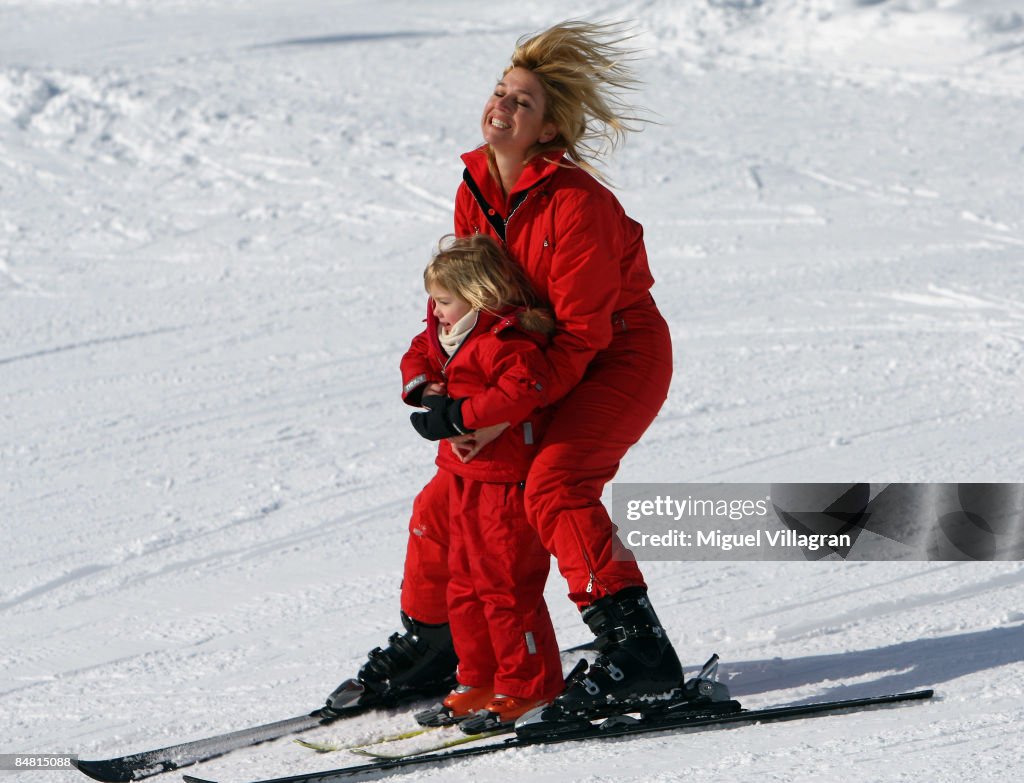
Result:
[
  {"x": 374, "y": 751},
  {"x": 332, "y": 747}
]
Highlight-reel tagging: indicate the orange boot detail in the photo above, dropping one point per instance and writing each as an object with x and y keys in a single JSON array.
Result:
[
  {"x": 508, "y": 708},
  {"x": 467, "y": 700},
  {"x": 499, "y": 714}
]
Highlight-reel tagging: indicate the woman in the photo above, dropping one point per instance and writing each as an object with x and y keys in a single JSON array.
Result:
[{"x": 532, "y": 186}]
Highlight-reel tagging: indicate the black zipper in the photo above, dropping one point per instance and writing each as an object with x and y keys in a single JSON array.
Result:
[{"x": 492, "y": 215}]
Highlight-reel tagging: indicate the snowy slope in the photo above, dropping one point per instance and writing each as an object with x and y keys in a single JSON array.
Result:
[{"x": 213, "y": 219}]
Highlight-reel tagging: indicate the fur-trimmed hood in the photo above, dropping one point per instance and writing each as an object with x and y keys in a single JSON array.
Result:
[{"x": 537, "y": 319}]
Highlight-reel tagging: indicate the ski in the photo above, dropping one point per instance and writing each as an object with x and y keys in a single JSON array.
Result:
[
  {"x": 333, "y": 747},
  {"x": 622, "y": 726},
  {"x": 399, "y": 745},
  {"x": 152, "y": 762},
  {"x": 138, "y": 766},
  {"x": 453, "y": 738}
]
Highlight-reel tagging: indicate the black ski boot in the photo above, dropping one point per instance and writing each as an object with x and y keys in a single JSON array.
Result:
[
  {"x": 636, "y": 666},
  {"x": 417, "y": 664}
]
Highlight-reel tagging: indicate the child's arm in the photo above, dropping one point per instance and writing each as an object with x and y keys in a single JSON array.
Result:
[
  {"x": 421, "y": 374},
  {"x": 520, "y": 378},
  {"x": 519, "y": 374}
]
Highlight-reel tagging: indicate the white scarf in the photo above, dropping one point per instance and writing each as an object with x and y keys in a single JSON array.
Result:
[{"x": 459, "y": 331}]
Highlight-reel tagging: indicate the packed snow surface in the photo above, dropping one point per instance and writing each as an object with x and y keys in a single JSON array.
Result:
[{"x": 213, "y": 221}]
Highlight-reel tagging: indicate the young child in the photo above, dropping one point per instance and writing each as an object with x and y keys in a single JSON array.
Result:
[{"x": 480, "y": 362}]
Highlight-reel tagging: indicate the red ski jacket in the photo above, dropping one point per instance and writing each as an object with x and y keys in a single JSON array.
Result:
[
  {"x": 580, "y": 250},
  {"x": 500, "y": 368}
]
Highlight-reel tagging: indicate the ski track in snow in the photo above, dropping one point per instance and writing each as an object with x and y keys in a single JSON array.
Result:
[{"x": 213, "y": 220}]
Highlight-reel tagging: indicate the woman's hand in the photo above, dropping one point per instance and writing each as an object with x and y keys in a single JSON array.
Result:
[{"x": 468, "y": 446}]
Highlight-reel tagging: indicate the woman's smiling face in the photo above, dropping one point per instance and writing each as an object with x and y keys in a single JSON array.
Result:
[{"x": 513, "y": 119}]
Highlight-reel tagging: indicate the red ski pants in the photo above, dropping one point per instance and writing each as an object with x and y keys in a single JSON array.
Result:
[
  {"x": 594, "y": 426},
  {"x": 498, "y": 567}
]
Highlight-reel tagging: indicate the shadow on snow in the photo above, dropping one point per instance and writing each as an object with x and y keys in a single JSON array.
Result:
[
  {"x": 331, "y": 40},
  {"x": 908, "y": 666}
]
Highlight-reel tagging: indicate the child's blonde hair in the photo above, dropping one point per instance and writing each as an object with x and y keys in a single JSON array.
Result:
[
  {"x": 477, "y": 270},
  {"x": 583, "y": 68}
]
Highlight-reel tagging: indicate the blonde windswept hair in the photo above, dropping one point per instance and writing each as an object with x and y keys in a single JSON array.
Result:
[
  {"x": 477, "y": 270},
  {"x": 584, "y": 69}
]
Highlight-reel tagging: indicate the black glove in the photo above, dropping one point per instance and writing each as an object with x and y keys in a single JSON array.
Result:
[{"x": 443, "y": 420}]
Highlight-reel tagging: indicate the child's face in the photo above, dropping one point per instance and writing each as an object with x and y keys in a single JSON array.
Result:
[{"x": 448, "y": 308}]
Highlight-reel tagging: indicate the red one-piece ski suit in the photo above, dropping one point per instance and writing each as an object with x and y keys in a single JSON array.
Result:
[
  {"x": 611, "y": 360},
  {"x": 497, "y": 565}
]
